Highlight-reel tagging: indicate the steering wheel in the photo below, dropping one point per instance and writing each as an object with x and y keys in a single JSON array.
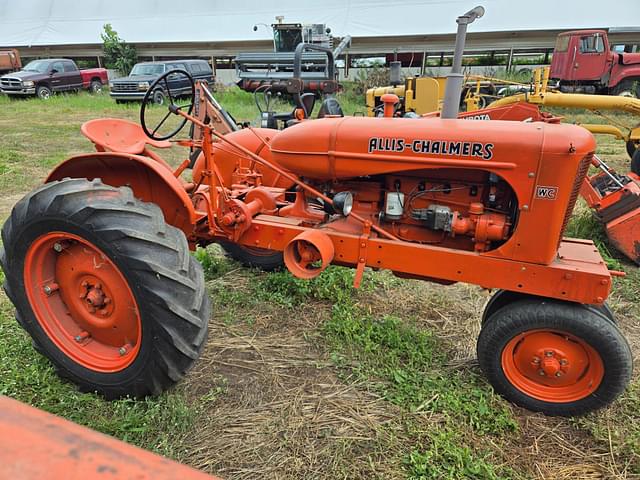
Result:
[
  {"x": 174, "y": 87},
  {"x": 267, "y": 98}
]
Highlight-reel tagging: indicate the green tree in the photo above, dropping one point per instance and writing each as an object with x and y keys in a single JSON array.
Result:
[{"x": 117, "y": 53}]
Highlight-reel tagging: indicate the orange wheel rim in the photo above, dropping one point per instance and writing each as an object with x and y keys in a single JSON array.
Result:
[
  {"x": 552, "y": 366},
  {"x": 82, "y": 302}
]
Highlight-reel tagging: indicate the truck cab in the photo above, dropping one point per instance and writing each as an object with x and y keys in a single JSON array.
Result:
[{"x": 584, "y": 62}]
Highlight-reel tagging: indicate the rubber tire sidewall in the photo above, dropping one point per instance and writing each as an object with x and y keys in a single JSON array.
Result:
[
  {"x": 42, "y": 88},
  {"x": 27, "y": 235},
  {"x": 599, "y": 332},
  {"x": 146, "y": 366},
  {"x": 267, "y": 263},
  {"x": 157, "y": 95},
  {"x": 95, "y": 87}
]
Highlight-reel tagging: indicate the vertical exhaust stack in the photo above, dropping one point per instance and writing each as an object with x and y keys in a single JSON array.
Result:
[{"x": 455, "y": 79}]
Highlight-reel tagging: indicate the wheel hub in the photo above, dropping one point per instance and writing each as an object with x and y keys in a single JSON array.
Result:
[
  {"x": 84, "y": 302},
  {"x": 552, "y": 366}
]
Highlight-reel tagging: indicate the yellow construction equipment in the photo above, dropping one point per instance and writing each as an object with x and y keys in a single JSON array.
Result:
[
  {"x": 422, "y": 95},
  {"x": 419, "y": 95},
  {"x": 541, "y": 95}
]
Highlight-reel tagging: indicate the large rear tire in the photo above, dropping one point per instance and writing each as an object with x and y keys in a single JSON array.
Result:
[
  {"x": 107, "y": 290},
  {"x": 554, "y": 357}
]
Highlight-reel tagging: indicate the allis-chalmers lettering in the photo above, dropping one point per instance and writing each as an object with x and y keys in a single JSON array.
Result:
[{"x": 439, "y": 147}]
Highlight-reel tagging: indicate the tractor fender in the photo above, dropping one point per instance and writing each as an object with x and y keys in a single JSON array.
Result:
[{"x": 149, "y": 180}]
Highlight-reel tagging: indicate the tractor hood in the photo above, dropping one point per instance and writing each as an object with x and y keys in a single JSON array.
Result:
[
  {"x": 630, "y": 58},
  {"x": 348, "y": 147}
]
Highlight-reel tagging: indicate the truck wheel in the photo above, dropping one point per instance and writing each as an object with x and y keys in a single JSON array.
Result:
[
  {"x": 43, "y": 92},
  {"x": 554, "y": 357},
  {"x": 158, "y": 97},
  {"x": 95, "y": 86},
  {"x": 107, "y": 290},
  {"x": 253, "y": 257},
  {"x": 627, "y": 89}
]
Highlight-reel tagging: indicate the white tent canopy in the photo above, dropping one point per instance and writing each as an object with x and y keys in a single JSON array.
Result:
[{"x": 31, "y": 23}]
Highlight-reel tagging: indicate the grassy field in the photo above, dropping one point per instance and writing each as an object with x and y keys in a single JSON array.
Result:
[{"x": 316, "y": 380}]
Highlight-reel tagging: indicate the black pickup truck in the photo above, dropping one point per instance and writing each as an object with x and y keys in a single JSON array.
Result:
[{"x": 135, "y": 86}]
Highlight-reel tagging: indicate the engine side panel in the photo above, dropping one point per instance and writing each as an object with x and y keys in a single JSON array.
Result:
[{"x": 543, "y": 166}]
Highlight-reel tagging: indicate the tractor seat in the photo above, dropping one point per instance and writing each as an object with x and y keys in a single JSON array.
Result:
[
  {"x": 330, "y": 108},
  {"x": 117, "y": 135}
]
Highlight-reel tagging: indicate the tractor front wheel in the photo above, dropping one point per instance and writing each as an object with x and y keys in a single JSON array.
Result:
[
  {"x": 554, "y": 357},
  {"x": 107, "y": 290},
  {"x": 253, "y": 257}
]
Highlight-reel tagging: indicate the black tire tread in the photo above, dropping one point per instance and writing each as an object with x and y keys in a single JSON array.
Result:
[
  {"x": 594, "y": 328},
  {"x": 266, "y": 263},
  {"x": 169, "y": 283}
]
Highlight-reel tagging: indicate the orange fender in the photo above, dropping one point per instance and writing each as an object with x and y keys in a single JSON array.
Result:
[
  {"x": 35, "y": 444},
  {"x": 149, "y": 180}
]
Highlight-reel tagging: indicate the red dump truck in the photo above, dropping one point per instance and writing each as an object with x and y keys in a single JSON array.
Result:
[{"x": 584, "y": 62}]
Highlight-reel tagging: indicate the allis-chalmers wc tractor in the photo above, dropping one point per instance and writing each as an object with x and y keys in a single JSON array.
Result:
[{"x": 97, "y": 259}]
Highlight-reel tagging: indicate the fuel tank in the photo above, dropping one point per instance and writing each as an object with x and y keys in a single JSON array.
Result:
[{"x": 336, "y": 148}]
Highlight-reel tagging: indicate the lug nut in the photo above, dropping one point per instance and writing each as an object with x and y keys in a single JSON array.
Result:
[
  {"x": 124, "y": 350},
  {"x": 49, "y": 289},
  {"x": 559, "y": 373},
  {"x": 57, "y": 247},
  {"x": 564, "y": 361},
  {"x": 541, "y": 372},
  {"x": 82, "y": 336},
  {"x": 548, "y": 354}
]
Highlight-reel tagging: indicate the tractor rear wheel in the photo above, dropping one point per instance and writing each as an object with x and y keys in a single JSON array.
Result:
[
  {"x": 107, "y": 290},
  {"x": 253, "y": 257},
  {"x": 554, "y": 357}
]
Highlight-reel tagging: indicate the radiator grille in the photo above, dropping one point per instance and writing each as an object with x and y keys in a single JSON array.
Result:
[
  {"x": 125, "y": 87},
  {"x": 11, "y": 83},
  {"x": 581, "y": 173}
]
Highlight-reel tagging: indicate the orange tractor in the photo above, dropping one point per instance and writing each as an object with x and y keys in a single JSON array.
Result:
[{"x": 97, "y": 259}]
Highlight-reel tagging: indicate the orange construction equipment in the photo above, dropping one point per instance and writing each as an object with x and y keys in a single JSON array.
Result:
[
  {"x": 97, "y": 261},
  {"x": 37, "y": 445}
]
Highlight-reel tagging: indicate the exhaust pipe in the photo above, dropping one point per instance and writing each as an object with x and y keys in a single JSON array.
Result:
[{"x": 455, "y": 79}]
